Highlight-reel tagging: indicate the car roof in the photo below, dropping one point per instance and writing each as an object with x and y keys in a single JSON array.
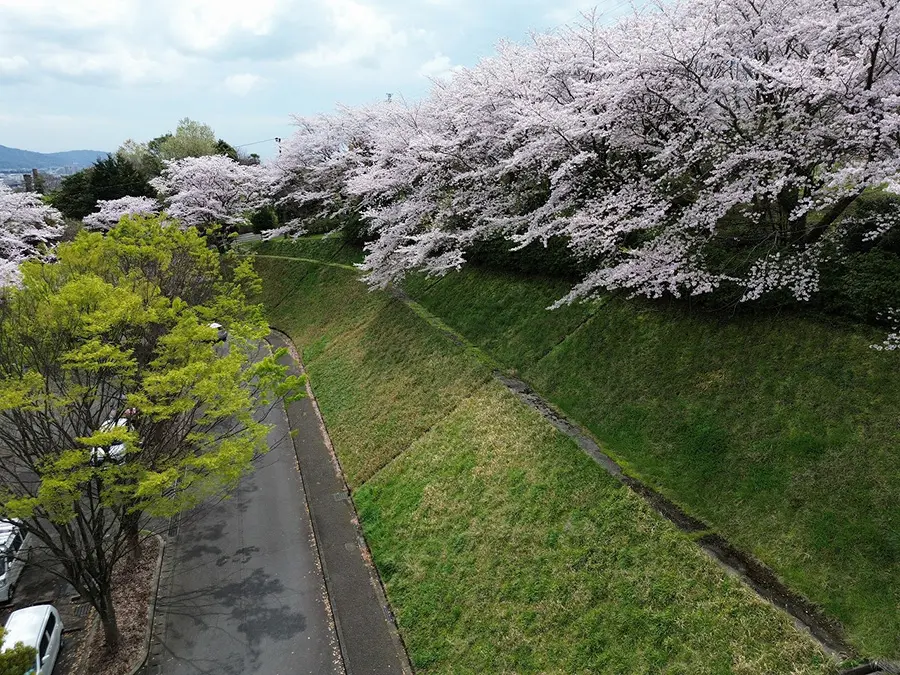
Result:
[
  {"x": 6, "y": 528},
  {"x": 6, "y": 531},
  {"x": 110, "y": 424},
  {"x": 25, "y": 625}
]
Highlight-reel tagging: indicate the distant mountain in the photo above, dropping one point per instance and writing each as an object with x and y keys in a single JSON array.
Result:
[{"x": 13, "y": 159}]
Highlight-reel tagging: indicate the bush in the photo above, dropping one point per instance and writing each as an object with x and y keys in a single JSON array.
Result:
[
  {"x": 264, "y": 219},
  {"x": 863, "y": 285},
  {"x": 553, "y": 260}
]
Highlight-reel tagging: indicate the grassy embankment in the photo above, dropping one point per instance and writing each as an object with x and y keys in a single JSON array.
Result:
[
  {"x": 502, "y": 546},
  {"x": 781, "y": 432}
]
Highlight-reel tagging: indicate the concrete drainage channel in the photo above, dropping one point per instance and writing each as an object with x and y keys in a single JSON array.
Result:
[{"x": 752, "y": 572}]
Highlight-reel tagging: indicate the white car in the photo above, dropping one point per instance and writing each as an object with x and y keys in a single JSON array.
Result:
[
  {"x": 14, "y": 548},
  {"x": 112, "y": 453},
  {"x": 221, "y": 333},
  {"x": 39, "y": 627}
]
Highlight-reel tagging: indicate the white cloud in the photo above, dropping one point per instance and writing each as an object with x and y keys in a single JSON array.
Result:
[
  {"x": 359, "y": 32},
  {"x": 12, "y": 64},
  {"x": 205, "y": 24},
  {"x": 439, "y": 67},
  {"x": 114, "y": 63},
  {"x": 242, "y": 84},
  {"x": 73, "y": 14}
]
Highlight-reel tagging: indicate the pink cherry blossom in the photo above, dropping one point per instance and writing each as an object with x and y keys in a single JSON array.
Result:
[
  {"x": 651, "y": 146},
  {"x": 212, "y": 190},
  {"x": 111, "y": 211},
  {"x": 26, "y": 226}
]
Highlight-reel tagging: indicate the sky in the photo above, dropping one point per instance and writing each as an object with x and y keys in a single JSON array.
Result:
[{"x": 88, "y": 74}]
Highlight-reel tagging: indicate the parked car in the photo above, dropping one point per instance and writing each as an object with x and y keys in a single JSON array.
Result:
[
  {"x": 15, "y": 545},
  {"x": 221, "y": 333},
  {"x": 39, "y": 627},
  {"x": 111, "y": 453}
]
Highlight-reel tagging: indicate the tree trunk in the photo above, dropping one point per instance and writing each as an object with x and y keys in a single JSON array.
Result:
[
  {"x": 107, "y": 613},
  {"x": 131, "y": 524}
]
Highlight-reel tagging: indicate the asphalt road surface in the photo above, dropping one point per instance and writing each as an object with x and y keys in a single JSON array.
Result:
[{"x": 246, "y": 593}]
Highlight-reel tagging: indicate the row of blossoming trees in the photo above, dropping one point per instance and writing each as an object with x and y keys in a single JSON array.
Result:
[
  {"x": 698, "y": 145},
  {"x": 212, "y": 193}
]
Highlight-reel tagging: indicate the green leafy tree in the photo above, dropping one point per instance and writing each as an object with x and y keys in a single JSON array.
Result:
[
  {"x": 141, "y": 157},
  {"x": 17, "y": 660},
  {"x": 118, "y": 328},
  {"x": 191, "y": 139},
  {"x": 110, "y": 178},
  {"x": 75, "y": 197},
  {"x": 113, "y": 178},
  {"x": 224, "y": 148}
]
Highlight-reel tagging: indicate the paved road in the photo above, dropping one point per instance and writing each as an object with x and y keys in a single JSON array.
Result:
[{"x": 247, "y": 594}]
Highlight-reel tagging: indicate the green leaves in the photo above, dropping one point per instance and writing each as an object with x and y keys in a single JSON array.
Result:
[
  {"x": 118, "y": 328},
  {"x": 16, "y": 659}
]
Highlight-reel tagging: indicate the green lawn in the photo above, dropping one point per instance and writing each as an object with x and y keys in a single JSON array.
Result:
[
  {"x": 381, "y": 375},
  {"x": 782, "y": 432},
  {"x": 503, "y": 547},
  {"x": 320, "y": 247}
]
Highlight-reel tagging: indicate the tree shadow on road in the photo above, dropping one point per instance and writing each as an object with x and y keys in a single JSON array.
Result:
[{"x": 244, "y": 613}]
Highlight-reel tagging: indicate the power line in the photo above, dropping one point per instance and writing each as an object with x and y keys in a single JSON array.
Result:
[{"x": 244, "y": 145}]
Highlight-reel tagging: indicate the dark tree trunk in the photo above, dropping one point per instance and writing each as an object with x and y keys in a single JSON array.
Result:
[
  {"x": 107, "y": 613},
  {"x": 131, "y": 525}
]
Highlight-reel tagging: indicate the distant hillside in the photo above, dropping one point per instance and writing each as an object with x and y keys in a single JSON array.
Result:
[{"x": 13, "y": 159}]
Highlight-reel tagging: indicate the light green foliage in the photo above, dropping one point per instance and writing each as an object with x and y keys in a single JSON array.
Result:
[
  {"x": 18, "y": 660},
  {"x": 118, "y": 328},
  {"x": 140, "y": 157},
  {"x": 503, "y": 547},
  {"x": 191, "y": 139}
]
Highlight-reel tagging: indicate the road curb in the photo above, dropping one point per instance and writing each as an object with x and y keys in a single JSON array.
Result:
[
  {"x": 322, "y": 564},
  {"x": 374, "y": 577},
  {"x": 151, "y": 611}
]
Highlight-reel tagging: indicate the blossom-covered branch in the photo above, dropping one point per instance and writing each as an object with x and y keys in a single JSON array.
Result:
[
  {"x": 694, "y": 145},
  {"x": 111, "y": 211},
  {"x": 213, "y": 192},
  {"x": 26, "y": 226}
]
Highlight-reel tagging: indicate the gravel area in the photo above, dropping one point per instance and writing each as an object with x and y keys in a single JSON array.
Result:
[{"x": 133, "y": 583}]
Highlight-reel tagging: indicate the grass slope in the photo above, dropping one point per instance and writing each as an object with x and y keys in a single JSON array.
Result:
[
  {"x": 504, "y": 548},
  {"x": 382, "y": 376},
  {"x": 782, "y": 432}
]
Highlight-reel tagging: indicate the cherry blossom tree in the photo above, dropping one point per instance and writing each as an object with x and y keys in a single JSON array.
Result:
[
  {"x": 213, "y": 193},
  {"x": 111, "y": 211},
  {"x": 694, "y": 145},
  {"x": 27, "y": 225}
]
